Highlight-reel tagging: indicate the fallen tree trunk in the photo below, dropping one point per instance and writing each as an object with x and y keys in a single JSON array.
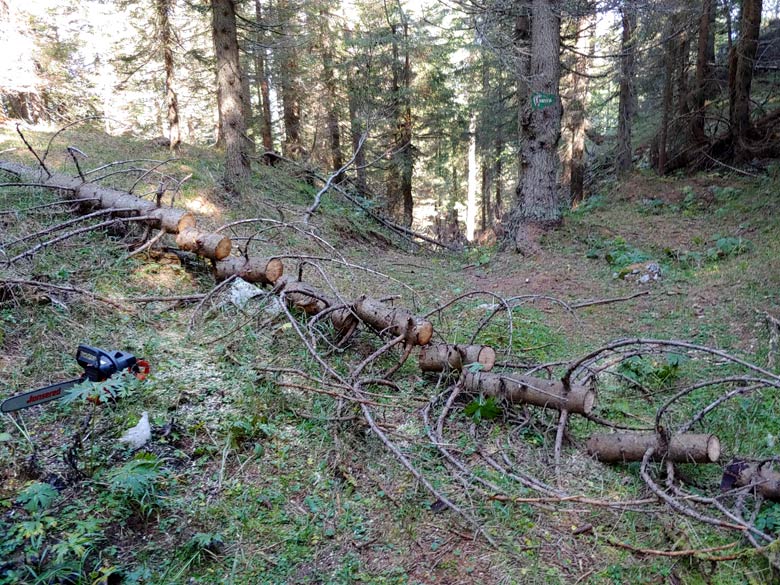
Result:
[
  {"x": 444, "y": 357},
  {"x": 682, "y": 448},
  {"x": 252, "y": 269},
  {"x": 395, "y": 321},
  {"x": 530, "y": 390},
  {"x": 765, "y": 480},
  {"x": 170, "y": 219},
  {"x": 305, "y": 297}
]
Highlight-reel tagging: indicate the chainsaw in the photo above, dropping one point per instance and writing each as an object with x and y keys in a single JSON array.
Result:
[{"x": 98, "y": 364}]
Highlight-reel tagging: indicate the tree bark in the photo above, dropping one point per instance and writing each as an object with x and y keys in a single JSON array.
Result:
[
  {"x": 537, "y": 207},
  {"x": 214, "y": 246},
  {"x": 261, "y": 81},
  {"x": 624, "y": 447},
  {"x": 742, "y": 76},
  {"x": 668, "y": 97},
  {"x": 443, "y": 357},
  {"x": 761, "y": 477},
  {"x": 530, "y": 390},
  {"x": 471, "y": 184},
  {"x": 170, "y": 219},
  {"x": 230, "y": 93},
  {"x": 578, "y": 123},
  {"x": 289, "y": 85},
  {"x": 627, "y": 102},
  {"x": 356, "y": 126},
  {"x": 703, "y": 44},
  {"x": 395, "y": 321},
  {"x": 252, "y": 269},
  {"x": 329, "y": 81},
  {"x": 165, "y": 38},
  {"x": 313, "y": 302}
]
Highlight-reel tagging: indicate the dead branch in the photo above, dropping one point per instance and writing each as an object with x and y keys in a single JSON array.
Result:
[
  {"x": 335, "y": 175},
  {"x": 32, "y": 150},
  {"x": 694, "y": 552},
  {"x": 35, "y": 249},
  {"x": 583, "y": 304}
]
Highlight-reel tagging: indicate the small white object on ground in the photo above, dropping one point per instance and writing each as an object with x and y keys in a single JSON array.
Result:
[
  {"x": 140, "y": 434},
  {"x": 241, "y": 292}
]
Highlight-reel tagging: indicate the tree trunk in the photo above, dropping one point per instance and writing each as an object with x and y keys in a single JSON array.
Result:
[
  {"x": 578, "y": 124},
  {"x": 683, "y": 52},
  {"x": 739, "y": 105},
  {"x": 697, "y": 130},
  {"x": 261, "y": 81},
  {"x": 627, "y": 104},
  {"x": 164, "y": 32},
  {"x": 356, "y": 126},
  {"x": 530, "y": 390},
  {"x": 289, "y": 86},
  {"x": 498, "y": 209},
  {"x": 400, "y": 203},
  {"x": 329, "y": 81},
  {"x": 627, "y": 446},
  {"x": 230, "y": 93},
  {"x": 538, "y": 207},
  {"x": 486, "y": 207},
  {"x": 443, "y": 357},
  {"x": 407, "y": 152},
  {"x": 668, "y": 96},
  {"x": 471, "y": 185}
]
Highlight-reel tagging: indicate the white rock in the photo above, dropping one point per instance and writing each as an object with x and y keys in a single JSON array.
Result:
[{"x": 140, "y": 434}]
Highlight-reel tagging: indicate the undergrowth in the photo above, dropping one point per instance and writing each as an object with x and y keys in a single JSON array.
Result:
[{"x": 249, "y": 480}]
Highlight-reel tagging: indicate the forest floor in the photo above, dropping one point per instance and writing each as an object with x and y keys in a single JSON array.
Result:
[{"x": 249, "y": 480}]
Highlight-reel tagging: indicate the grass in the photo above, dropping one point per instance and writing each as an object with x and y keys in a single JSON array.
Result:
[{"x": 254, "y": 483}]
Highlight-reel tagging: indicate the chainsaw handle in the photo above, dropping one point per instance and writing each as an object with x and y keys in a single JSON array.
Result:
[{"x": 100, "y": 364}]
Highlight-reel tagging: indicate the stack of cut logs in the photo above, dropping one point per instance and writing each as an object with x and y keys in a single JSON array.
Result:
[{"x": 474, "y": 362}]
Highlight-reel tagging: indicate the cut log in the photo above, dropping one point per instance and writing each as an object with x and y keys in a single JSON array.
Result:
[
  {"x": 530, "y": 390},
  {"x": 301, "y": 295},
  {"x": 174, "y": 221},
  {"x": 443, "y": 357},
  {"x": 305, "y": 297},
  {"x": 252, "y": 269},
  {"x": 395, "y": 321},
  {"x": 764, "y": 479},
  {"x": 683, "y": 448},
  {"x": 213, "y": 246}
]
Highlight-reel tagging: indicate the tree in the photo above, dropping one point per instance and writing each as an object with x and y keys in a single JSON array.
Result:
[
  {"x": 230, "y": 93},
  {"x": 741, "y": 76},
  {"x": 289, "y": 79},
  {"x": 165, "y": 39},
  {"x": 575, "y": 115},
  {"x": 331, "y": 95},
  {"x": 704, "y": 56},
  {"x": 627, "y": 103},
  {"x": 399, "y": 184},
  {"x": 537, "y": 207},
  {"x": 261, "y": 81}
]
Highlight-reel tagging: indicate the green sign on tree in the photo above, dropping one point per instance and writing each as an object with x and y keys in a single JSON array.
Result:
[{"x": 541, "y": 100}]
